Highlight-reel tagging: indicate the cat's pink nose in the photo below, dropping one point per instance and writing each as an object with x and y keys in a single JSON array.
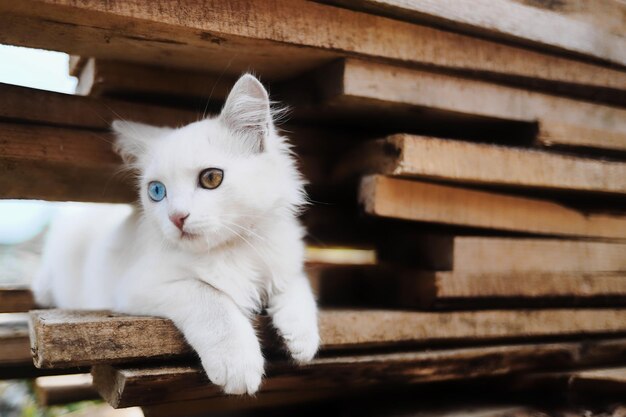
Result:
[{"x": 179, "y": 219}]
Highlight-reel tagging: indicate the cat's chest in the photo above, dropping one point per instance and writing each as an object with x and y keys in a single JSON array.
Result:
[{"x": 235, "y": 274}]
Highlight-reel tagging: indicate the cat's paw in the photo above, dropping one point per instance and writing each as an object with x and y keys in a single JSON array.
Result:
[
  {"x": 237, "y": 368},
  {"x": 303, "y": 342}
]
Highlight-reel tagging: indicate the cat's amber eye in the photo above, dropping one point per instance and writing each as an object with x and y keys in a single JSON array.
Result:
[{"x": 211, "y": 178}]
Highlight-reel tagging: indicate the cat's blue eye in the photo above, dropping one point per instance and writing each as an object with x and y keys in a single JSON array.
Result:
[{"x": 156, "y": 191}]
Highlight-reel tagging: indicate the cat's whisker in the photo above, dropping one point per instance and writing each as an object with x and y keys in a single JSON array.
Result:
[
  {"x": 249, "y": 231},
  {"x": 254, "y": 249}
]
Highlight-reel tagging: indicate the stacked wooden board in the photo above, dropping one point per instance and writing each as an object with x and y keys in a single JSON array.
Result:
[{"x": 482, "y": 160}]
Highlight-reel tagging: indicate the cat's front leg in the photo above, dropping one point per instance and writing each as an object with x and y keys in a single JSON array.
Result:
[
  {"x": 219, "y": 332},
  {"x": 294, "y": 314}
]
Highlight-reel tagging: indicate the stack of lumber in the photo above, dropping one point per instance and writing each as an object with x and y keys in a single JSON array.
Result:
[{"x": 472, "y": 166}]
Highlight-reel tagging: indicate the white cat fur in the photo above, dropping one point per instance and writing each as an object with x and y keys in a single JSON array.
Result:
[{"x": 247, "y": 252}]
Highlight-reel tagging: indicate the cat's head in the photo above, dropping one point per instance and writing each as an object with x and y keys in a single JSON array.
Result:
[{"x": 214, "y": 181}]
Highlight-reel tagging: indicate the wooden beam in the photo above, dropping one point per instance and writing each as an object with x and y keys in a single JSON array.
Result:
[
  {"x": 233, "y": 39},
  {"x": 404, "y": 155},
  {"x": 419, "y": 201},
  {"x": 14, "y": 344},
  {"x": 502, "y": 255},
  {"x": 16, "y": 361},
  {"x": 393, "y": 287},
  {"x": 60, "y": 164},
  {"x": 123, "y": 387},
  {"x": 102, "y": 78},
  {"x": 62, "y": 338},
  {"x": 551, "y": 133},
  {"x": 15, "y": 299},
  {"x": 505, "y": 20},
  {"x": 351, "y": 87},
  {"x": 64, "y": 389},
  {"x": 580, "y": 384},
  {"x": 44, "y": 107},
  {"x": 236, "y": 403}
]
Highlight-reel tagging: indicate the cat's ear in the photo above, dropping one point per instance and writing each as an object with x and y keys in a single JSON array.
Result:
[
  {"x": 133, "y": 139},
  {"x": 246, "y": 112}
]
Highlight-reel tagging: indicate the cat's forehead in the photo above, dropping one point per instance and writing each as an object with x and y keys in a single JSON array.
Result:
[{"x": 190, "y": 147}]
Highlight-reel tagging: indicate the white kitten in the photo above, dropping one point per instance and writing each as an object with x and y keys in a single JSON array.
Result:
[{"x": 215, "y": 241}]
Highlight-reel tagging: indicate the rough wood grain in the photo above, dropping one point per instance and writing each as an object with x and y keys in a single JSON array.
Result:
[
  {"x": 258, "y": 35},
  {"x": 15, "y": 299},
  {"x": 577, "y": 384},
  {"x": 64, "y": 389},
  {"x": 62, "y": 338},
  {"x": 502, "y": 255},
  {"x": 353, "y": 86},
  {"x": 100, "y": 78},
  {"x": 393, "y": 287},
  {"x": 45, "y": 107},
  {"x": 60, "y": 164},
  {"x": 419, "y": 201},
  {"x": 123, "y": 387},
  {"x": 551, "y": 133},
  {"x": 466, "y": 162},
  {"x": 505, "y": 20},
  {"x": 14, "y": 344},
  {"x": 234, "y": 403}
]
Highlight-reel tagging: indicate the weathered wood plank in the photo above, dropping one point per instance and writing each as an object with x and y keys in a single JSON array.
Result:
[
  {"x": 551, "y": 133},
  {"x": 386, "y": 286},
  {"x": 123, "y": 387},
  {"x": 419, "y": 201},
  {"x": 51, "y": 163},
  {"x": 234, "y": 403},
  {"x": 466, "y": 162},
  {"x": 502, "y": 255},
  {"x": 15, "y": 299},
  {"x": 581, "y": 383},
  {"x": 14, "y": 344},
  {"x": 64, "y": 389},
  {"x": 45, "y": 107},
  {"x": 101, "y": 78},
  {"x": 258, "y": 35},
  {"x": 353, "y": 86},
  {"x": 505, "y": 20},
  {"x": 62, "y": 338}
]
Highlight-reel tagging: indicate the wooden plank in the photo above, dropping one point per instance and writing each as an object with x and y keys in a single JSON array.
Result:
[
  {"x": 123, "y": 387},
  {"x": 14, "y": 343},
  {"x": 60, "y": 164},
  {"x": 62, "y": 338},
  {"x": 473, "y": 253},
  {"x": 387, "y": 286},
  {"x": 101, "y": 78},
  {"x": 15, "y": 299},
  {"x": 404, "y": 155},
  {"x": 236, "y": 403},
  {"x": 64, "y": 389},
  {"x": 583, "y": 384},
  {"x": 45, "y": 107},
  {"x": 501, "y": 255},
  {"x": 215, "y": 37},
  {"x": 551, "y": 133},
  {"x": 75, "y": 64},
  {"x": 351, "y": 87},
  {"x": 609, "y": 13},
  {"x": 505, "y": 20},
  {"x": 419, "y": 201}
]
